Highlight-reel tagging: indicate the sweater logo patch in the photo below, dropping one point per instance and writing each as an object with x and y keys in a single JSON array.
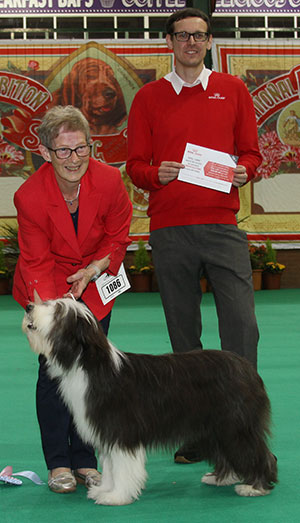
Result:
[{"x": 217, "y": 96}]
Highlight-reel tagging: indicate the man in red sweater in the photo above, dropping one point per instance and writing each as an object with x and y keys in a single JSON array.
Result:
[{"x": 193, "y": 228}]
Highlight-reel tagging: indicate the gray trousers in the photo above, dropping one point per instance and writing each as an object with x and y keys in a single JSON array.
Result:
[{"x": 181, "y": 255}]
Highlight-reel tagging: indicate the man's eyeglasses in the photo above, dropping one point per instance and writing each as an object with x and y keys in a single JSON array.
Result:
[
  {"x": 183, "y": 36},
  {"x": 65, "y": 152}
]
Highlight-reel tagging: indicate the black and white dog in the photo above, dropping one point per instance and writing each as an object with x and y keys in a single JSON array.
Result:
[{"x": 123, "y": 403}]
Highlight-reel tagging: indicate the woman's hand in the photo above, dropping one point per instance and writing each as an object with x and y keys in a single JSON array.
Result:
[{"x": 80, "y": 279}]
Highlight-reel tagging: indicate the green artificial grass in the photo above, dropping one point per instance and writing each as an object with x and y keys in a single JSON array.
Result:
[{"x": 174, "y": 493}]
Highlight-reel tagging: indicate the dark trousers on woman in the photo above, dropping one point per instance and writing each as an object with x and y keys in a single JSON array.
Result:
[{"x": 61, "y": 444}]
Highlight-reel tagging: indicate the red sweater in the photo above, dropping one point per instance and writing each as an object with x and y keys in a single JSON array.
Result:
[{"x": 162, "y": 122}]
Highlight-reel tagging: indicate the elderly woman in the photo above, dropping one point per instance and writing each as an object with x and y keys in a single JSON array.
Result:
[{"x": 74, "y": 217}]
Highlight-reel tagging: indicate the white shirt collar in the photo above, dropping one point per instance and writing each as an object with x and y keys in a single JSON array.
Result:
[{"x": 178, "y": 83}]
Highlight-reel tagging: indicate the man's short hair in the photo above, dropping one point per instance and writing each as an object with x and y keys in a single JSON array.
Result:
[{"x": 189, "y": 12}]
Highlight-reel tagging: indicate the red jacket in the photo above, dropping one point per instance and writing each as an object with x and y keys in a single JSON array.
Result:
[{"x": 50, "y": 251}]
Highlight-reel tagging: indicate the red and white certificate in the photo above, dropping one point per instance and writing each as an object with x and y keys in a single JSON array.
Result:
[{"x": 208, "y": 168}]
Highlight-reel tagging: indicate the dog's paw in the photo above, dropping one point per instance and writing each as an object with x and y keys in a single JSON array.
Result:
[
  {"x": 93, "y": 492},
  {"x": 250, "y": 491},
  {"x": 209, "y": 478},
  {"x": 212, "y": 479},
  {"x": 108, "y": 498}
]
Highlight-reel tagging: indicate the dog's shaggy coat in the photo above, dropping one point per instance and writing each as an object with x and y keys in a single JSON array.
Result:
[{"x": 123, "y": 403}]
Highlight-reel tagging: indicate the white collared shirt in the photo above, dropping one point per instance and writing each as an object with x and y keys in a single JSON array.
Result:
[{"x": 178, "y": 83}]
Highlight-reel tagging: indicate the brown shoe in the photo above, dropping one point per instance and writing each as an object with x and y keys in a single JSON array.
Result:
[
  {"x": 62, "y": 483},
  {"x": 186, "y": 455}
]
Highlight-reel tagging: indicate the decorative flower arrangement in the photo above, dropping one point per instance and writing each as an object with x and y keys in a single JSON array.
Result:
[
  {"x": 257, "y": 256},
  {"x": 274, "y": 267},
  {"x": 142, "y": 260},
  {"x": 264, "y": 257},
  {"x": 271, "y": 264},
  {"x": 144, "y": 270}
]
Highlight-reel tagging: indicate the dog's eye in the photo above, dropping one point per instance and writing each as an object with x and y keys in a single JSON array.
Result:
[
  {"x": 31, "y": 326},
  {"x": 29, "y": 307},
  {"x": 109, "y": 93}
]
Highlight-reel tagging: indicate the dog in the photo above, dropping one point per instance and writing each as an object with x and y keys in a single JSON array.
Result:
[
  {"x": 92, "y": 87},
  {"x": 124, "y": 403}
]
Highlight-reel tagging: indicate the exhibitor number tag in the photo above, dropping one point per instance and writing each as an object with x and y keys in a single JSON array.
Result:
[{"x": 109, "y": 287}]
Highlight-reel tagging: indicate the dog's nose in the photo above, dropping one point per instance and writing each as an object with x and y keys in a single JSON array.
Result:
[{"x": 29, "y": 307}]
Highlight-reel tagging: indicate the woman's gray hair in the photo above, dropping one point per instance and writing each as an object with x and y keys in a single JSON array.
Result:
[{"x": 67, "y": 118}]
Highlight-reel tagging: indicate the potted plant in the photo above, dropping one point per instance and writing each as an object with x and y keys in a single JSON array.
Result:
[
  {"x": 4, "y": 271},
  {"x": 140, "y": 272},
  {"x": 272, "y": 269},
  {"x": 12, "y": 249},
  {"x": 257, "y": 255}
]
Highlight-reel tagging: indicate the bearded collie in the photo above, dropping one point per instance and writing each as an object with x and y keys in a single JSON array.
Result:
[{"x": 124, "y": 403}]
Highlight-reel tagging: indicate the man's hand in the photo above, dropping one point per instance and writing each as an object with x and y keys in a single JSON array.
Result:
[
  {"x": 240, "y": 176},
  {"x": 168, "y": 171}
]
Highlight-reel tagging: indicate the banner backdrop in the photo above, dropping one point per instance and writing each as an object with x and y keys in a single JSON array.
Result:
[
  {"x": 100, "y": 79},
  {"x": 270, "y": 207}
]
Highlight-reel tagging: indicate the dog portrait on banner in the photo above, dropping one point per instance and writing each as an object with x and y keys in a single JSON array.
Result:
[{"x": 91, "y": 85}]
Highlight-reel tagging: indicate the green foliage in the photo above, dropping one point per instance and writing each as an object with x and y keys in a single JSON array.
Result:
[
  {"x": 142, "y": 260},
  {"x": 271, "y": 264},
  {"x": 271, "y": 255},
  {"x": 4, "y": 272},
  {"x": 12, "y": 250}
]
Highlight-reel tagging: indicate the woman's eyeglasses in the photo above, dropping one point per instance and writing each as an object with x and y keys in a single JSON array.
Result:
[
  {"x": 65, "y": 152},
  {"x": 183, "y": 36}
]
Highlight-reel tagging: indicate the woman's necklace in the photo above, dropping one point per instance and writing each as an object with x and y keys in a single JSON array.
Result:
[{"x": 70, "y": 202}]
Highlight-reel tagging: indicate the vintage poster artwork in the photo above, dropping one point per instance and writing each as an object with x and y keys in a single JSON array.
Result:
[
  {"x": 271, "y": 70},
  {"x": 101, "y": 80}
]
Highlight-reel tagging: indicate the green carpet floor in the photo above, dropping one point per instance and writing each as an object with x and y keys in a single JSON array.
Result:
[{"x": 174, "y": 493}]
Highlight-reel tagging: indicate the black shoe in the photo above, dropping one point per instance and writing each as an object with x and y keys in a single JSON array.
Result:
[{"x": 187, "y": 456}]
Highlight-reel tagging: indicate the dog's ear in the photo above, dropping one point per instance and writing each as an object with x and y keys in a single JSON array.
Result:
[{"x": 37, "y": 298}]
